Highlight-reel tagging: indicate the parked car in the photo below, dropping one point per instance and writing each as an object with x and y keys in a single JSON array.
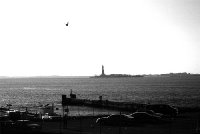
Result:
[
  {"x": 26, "y": 126},
  {"x": 7, "y": 124},
  {"x": 33, "y": 117},
  {"x": 51, "y": 117},
  {"x": 55, "y": 117},
  {"x": 4, "y": 117},
  {"x": 116, "y": 120},
  {"x": 154, "y": 113},
  {"x": 7, "y": 127},
  {"x": 144, "y": 117},
  {"x": 164, "y": 109},
  {"x": 46, "y": 116}
]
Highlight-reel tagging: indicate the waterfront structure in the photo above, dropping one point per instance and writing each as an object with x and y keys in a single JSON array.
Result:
[{"x": 102, "y": 74}]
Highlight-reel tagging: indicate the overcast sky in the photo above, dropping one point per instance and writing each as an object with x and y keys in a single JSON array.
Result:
[{"x": 126, "y": 36}]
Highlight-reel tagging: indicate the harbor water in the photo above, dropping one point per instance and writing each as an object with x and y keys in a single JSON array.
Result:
[{"x": 33, "y": 92}]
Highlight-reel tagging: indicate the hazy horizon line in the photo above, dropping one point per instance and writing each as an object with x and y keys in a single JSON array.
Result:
[{"x": 76, "y": 76}]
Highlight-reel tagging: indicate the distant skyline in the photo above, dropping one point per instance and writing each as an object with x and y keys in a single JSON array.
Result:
[{"x": 126, "y": 36}]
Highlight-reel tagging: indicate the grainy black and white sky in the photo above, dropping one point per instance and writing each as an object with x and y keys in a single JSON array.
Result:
[{"x": 126, "y": 36}]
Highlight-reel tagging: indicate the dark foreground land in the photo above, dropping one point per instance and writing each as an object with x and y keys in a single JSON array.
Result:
[{"x": 186, "y": 123}]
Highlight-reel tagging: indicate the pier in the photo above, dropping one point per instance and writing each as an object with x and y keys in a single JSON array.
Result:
[{"x": 106, "y": 104}]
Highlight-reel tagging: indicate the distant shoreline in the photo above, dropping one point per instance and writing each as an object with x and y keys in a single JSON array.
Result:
[
  {"x": 15, "y": 77},
  {"x": 108, "y": 76},
  {"x": 96, "y": 76},
  {"x": 144, "y": 75}
]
